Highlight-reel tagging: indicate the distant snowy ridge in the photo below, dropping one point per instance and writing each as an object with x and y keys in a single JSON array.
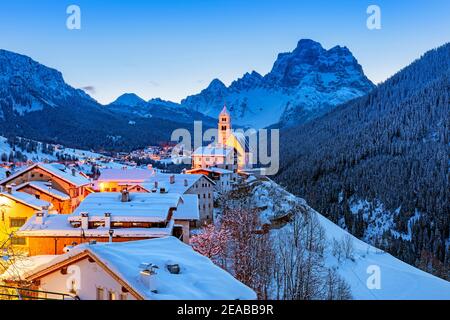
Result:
[
  {"x": 302, "y": 85},
  {"x": 132, "y": 104}
]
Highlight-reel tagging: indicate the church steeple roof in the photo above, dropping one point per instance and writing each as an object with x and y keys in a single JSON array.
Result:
[{"x": 224, "y": 111}]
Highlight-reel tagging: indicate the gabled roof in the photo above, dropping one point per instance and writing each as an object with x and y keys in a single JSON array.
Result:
[
  {"x": 64, "y": 174},
  {"x": 46, "y": 188},
  {"x": 188, "y": 210},
  {"x": 27, "y": 200},
  {"x": 199, "y": 278}
]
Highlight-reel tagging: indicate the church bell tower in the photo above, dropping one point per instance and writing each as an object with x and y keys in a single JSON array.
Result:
[{"x": 224, "y": 126}]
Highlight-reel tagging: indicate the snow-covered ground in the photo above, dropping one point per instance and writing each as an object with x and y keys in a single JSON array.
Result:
[{"x": 398, "y": 280}]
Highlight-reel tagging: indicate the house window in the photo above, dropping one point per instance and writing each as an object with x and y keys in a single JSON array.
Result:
[
  {"x": 17, "y": 222},
  {"x": 114, "y": 189},
  {"x": 111, "y": 295},
  {"x": 123, "y": 296},
  {"x": 18, "y": 241},
  {"x": 100, "y": 293}
]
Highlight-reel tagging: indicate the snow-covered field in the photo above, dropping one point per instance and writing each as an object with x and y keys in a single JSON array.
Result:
[
  {"x": 5, "y": 148},
  {"x": 397, "y": 280}
]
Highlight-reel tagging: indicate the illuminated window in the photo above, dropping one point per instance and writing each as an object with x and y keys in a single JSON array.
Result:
[
  {"x": 18, "y": 241},
  {"x": 100, "y": 293},
  {"x": 111, "y": 295},
  {"x": 17, "y": 222}
]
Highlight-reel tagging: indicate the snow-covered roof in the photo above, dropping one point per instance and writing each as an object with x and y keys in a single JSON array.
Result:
[
  {"x": 216, "y": 151},
  {"x": 182, "y": 182},
  {"x": 188, "y": 210},
  {"x": 27, "y": 199},
  {"x": 212, "y": 170},
  {"x": 55, "y": 169},
  {"x": 125, "y": 175},
  {"x": 199, "y": 278},
  {"x": 58, "y": 225},
  {"x": 23, "y": 265},
  {"x": 142, "y": 207},
  {"x": 46, "y": 188}
]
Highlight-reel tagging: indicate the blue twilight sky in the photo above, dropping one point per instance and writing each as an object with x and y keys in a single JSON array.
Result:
[{"x": 173, "y": 48}]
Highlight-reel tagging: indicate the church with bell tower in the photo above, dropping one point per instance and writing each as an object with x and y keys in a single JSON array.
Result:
[{"x": 227, "y": 152}]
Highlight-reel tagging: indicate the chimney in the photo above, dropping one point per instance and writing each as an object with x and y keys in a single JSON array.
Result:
[
  {"x": 84, "y": 220},
  {"x": 156, "y": 184},
  {"x": 185, "y": 182},
  {"x": 111, "y": 234},
  {"x": 148, "y": 276},
  {"x": 9, "y": 188},
  {"x": 40, "y": 217},
  {"x": 108, "y": 220},
  {"x": 172, "y": 179},
  {"x": 74, "y": 172},
  {"x": 125, "y": 196}
]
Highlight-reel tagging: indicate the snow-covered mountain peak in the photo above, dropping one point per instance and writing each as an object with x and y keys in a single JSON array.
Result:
[
  {"x": 129, "y": 99},
  {"x": 26, "y": 85},
  {"x": 303, "y": 84}
]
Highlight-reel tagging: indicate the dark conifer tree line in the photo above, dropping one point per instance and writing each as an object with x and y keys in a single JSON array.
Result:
[{"x": 390, "y": 146}]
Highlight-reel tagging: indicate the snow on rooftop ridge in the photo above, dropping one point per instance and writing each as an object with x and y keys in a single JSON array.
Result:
[
  {"x": 69, "y": 175},
  {"x": 27, "y": 199},
  {"x": 212, "y": 151},
  {"x": 149, "y": 207},
  {"x": 130, "y": 175},
  {"x": 57, "y": 225},
  {"x": 45, "y": 187}
]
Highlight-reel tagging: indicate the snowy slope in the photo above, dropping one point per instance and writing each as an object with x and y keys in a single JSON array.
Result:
[
  {"x": 302, "y": 85},
  {"x": 39, "y": 156},
  {"x": 398, "y": 279}
]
